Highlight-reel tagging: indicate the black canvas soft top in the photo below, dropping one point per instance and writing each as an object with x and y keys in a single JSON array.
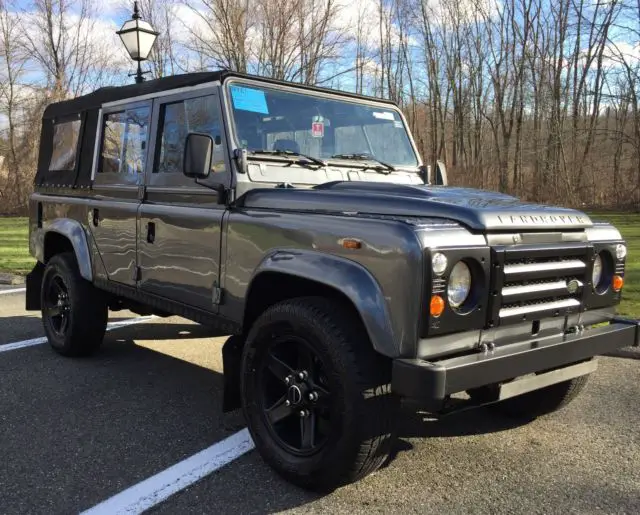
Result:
[
  {"x": 87, "y": 107},
  {"x": 101, "y": 96}
]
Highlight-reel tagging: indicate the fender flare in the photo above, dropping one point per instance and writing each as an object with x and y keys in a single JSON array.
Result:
[
  {"x": 351, "y": 279},
  {"x": 75, "y": 233}
]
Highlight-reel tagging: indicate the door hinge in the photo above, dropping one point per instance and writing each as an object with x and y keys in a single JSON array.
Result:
[
  {"x": 142, "y": 193},
  {"x": 216, "y": 295},
  {"x": 137, "y": 274}
]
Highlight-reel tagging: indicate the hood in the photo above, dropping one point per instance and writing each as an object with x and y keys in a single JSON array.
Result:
[{"x": 476, "y": 209}]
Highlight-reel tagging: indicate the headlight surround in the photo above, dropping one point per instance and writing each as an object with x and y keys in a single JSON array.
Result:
[{"x": 459, "y": 285}]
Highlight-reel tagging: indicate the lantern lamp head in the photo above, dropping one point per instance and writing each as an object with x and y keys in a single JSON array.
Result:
[{"x": 138, "y": 37}]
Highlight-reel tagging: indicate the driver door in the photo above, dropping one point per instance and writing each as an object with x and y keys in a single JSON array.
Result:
[{"x": 180, "y": 220}]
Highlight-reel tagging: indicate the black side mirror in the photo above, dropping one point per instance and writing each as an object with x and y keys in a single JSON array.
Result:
[
  {"x": 424, "y": 172},
  {"x": 198, "y": 153}
]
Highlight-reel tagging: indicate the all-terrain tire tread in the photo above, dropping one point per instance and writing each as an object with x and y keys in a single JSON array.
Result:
[
  {"x": 372, "y": 374},
  {"x": 90, "y": 312}
]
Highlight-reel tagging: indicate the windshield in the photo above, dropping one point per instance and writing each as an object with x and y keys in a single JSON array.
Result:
[{"x": 270, "y": 119}]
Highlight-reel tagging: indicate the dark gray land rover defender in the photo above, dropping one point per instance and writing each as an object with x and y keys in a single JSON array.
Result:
[{"x": 302, "y": 222}]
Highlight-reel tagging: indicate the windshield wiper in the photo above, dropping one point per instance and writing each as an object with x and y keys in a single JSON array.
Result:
[
  {"x": 366, "y": 157},
  {"x": 290, "y": 153}
]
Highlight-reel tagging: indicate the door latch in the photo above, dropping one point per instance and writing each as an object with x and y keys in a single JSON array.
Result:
[{"x": 151, "y": 232}]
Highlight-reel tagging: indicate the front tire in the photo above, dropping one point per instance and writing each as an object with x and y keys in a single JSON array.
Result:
[
  {"x": 316, "y": 396},
  {"x": 74, "y": 312}
]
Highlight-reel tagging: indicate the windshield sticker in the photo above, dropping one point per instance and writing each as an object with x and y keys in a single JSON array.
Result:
[
  {"x": 248, "y": 99},
  {"x": 317, "y": 127},
  {"x": 397, "y": 124},
  {"x": 384, "y": 115}
]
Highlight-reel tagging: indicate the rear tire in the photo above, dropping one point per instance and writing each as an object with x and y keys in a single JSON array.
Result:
[
  {"x": 538, "y": 402},
  {"x": 74, "y": 312},
  {"x": 351, "y": 417}
]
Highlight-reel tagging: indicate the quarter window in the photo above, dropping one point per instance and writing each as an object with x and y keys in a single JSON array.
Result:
[
  {"x": 178, "y": 119},
  {"x": 65, "y": 146},
  {"x": 124, "y": 142}
]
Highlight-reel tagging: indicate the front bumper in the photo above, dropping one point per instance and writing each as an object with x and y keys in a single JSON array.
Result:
[{"x": 432, "y": 382}]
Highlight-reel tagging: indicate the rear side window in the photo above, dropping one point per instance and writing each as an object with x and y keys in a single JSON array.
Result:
[
  {"x": 65, "y": 146},
  {"x": 124, "y": 140},
  {"x": 178, "y": 120}
]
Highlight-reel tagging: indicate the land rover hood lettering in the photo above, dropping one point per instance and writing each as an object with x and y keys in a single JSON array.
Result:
[{"x": 477, "y": 209}]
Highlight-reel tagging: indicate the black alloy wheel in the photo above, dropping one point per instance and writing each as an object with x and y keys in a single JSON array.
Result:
[
  {"x": 316, "y": 396},
  {"x": 74, "y": 312},
  {"x": 295, "y": 400},
  {"x": 56, "y": 306}
]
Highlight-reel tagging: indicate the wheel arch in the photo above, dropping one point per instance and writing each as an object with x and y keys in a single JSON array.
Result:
[
  {"x": 288, "y": 274},
  {"x": 65, "y": 235}
]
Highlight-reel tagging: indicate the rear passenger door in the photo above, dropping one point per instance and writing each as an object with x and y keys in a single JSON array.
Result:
[
  {"x": 180, "y": 220},
  {"x": 118, "y": 177}
]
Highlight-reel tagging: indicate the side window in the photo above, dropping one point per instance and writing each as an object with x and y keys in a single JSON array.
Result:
[
  {"x": 65, "y": 146},
  {"x": 124, "y": 140},
  {"x": 112, "y": 142},
  {"x": 178, "y": 119}
]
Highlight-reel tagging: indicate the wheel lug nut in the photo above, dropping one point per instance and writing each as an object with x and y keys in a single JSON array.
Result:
[
  {"x": 303, "y": 413},
  {"x": 313, "y": 396},
  {"x": 287, "y": 403},
  {"x": 302, "y": 375},
  {"x": 287, "y": 380}
]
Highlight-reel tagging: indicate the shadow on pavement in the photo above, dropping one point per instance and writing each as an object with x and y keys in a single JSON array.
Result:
[
  {"x": 161, "y": 331},
  {"x": 417, "y": 424},
  {"x": 77, "y": 431}
]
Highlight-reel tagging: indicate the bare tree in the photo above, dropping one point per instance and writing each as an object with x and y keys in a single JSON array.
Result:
[{"x": 62, "y": 38}]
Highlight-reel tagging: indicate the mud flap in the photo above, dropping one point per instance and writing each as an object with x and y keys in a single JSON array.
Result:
[
  {"x": 34, "y": 285},
  {"x": 232, "y": 366}
]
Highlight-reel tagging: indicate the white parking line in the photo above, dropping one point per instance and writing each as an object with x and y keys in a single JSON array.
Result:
[
  {"x": 13, "y": 290},
  {"x": 38, "y": 341},
  {"x": 154, "y": 490}
]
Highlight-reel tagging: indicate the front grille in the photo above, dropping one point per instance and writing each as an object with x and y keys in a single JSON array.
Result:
[{"x": 534, "y": 282}]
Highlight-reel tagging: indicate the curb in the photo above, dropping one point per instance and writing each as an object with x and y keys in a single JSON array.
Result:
[{"x": 11, "y": 279}]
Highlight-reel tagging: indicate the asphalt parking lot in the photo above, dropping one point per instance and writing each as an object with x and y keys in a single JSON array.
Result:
[{"x": 76, "y": 433}]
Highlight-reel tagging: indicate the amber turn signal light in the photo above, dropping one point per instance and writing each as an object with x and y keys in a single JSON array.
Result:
[
  {"x": 351, "y": 244},
  {"x": 436, "y": 306},
  {"x": 617, "y": 283}
]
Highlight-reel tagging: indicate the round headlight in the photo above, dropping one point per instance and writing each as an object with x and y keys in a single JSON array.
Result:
[
  {"x": 439, "y": 263},
  {"x": 621, "y": 252},
  {"x": 596, "y": 274},
  {"x": 459, "y": 285}
]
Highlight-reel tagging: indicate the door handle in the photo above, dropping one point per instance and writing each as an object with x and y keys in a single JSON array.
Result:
[
  {"x": 151, "y": 232},
  {"x": 96, "y": 217}
]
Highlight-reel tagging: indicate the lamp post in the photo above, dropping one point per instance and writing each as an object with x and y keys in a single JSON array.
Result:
[{"x": 138, "y": 38}]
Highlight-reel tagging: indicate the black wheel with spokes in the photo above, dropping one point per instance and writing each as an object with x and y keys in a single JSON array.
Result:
[
  {"x": 55, "y": 304},
  {"x": 74, "y": 313},
  {"x": 295, "y": 397},
  {"x": 315, "y": 394}
]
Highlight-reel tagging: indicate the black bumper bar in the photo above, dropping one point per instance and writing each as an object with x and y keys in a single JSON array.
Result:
[{"x": 431, "y": 382}]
